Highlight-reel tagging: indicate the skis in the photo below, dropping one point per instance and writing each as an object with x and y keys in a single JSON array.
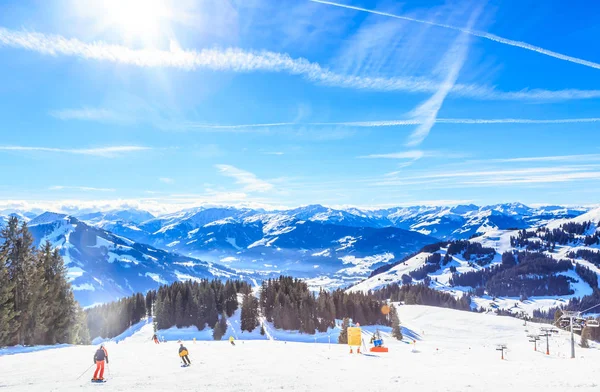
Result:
[
  {"x": 98, "y": 381},
  {"x": 184, "y": 365}
]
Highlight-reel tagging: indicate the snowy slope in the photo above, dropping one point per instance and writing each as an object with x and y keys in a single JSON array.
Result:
[
  {"x": 103, "y": 266},
  {"x": 455, "y": 351},
  {"x": 500, "y": 242}
]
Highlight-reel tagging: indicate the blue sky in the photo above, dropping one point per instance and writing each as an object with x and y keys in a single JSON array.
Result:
[{"x": 263, "y": 103}]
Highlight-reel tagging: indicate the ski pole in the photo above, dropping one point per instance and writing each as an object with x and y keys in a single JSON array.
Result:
[{"x": 86, "y": 370}]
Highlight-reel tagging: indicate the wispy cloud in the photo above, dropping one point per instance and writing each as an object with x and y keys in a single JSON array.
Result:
[
  {"x": 397, "y": 123},
  {"x": 88, "y": 114},
  {"x": 249, "y": 180},
  {"x": 413, "y": 154},
  {"x": 99, "y": 151},
  {"x": 274, "y": 153},
  {"x": 476, "y": 33},
  {"x": 516, "y": 177},
  {"x": 80, "y": 188},
  {"x": 427, "y": 112},
  {"x": 239, "y": 60},
  {"x": 552, "y": 158},
  {"x": 166, "y": 180}
]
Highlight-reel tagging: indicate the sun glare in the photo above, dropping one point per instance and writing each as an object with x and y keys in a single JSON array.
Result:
[{"x": 136, "y": 19}]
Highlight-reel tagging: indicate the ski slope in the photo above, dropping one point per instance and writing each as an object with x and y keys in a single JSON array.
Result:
[{"x": 454, "y": 351}]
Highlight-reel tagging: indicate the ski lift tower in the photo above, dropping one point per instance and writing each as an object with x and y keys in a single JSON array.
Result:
[
  {"x": 534, "y": 339},
  {"x": 502, "y": 348},
  {"x": 575, "y": 320},
  {"x": 546, "y": 333}
]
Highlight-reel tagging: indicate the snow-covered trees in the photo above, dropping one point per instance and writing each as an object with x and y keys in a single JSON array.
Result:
[{"x": 37, "y": 303}]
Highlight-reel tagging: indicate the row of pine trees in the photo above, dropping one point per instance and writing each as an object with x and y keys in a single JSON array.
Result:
[
  {"x": 289, "y": 304},
  {"x": 37, "y": 305},
  {"x": 111, "y": 319}
]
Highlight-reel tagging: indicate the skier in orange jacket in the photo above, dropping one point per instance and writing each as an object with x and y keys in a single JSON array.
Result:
[{"x": 99, "y": 357}]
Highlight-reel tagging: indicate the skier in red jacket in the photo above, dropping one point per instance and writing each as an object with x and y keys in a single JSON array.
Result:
[{"x": 99, "y": 357}]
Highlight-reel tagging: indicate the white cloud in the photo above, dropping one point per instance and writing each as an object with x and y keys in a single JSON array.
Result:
[
  {"x": 99, "y": 151},
  {"x": 80, "y": 188},
  {"x": 274, "y": 153},
  {"x": 239, "y": 60},
  {"x": 166, "y": 180},
  {"x": 249, "y": 180},
  {"x": 476, "y": 33}
]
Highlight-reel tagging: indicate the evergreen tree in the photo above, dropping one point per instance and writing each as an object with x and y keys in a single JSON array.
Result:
[
  {"x": 585, "y": 336},
  {"x": 396, "y": 329},
  {"x": 37, "y": 303},
  {"x": 343, "y": 337},
  {"x": 262, "y": 330},
  {"x": 179, "y": 310},
  {"x": 149, "y": 302},
  {"x": 220, "y": 328},
  {"x": 557, "y": 315},
  {"x": 7, "y": 307},
  {"x": 18, "y": 249},
  {"x": 249, "y": 316}
]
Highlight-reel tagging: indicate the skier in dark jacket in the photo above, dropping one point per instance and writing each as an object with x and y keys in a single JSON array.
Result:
[
  {"x": 183, "y": 353},
  {"x": 100, "y": 356}
]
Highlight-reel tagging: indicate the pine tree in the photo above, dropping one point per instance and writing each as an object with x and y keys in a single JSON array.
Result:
[
  {"x": 249, "y": 316},
  {"x": 179, "y": 310},
  {"x": 149, "y": 302},
  {"x": 7, "y": 308},
  {"x": 396, "y": 329},
  {"x": 343, "y": 337},
  {"x": 557, "y": 315},
  {"x": 585, "y": 336},
  {"x": 262, "y": 330},
  {"x": 220, "y": 328}
]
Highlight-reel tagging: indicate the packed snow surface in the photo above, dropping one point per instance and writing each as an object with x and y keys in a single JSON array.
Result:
[{"x": 454, "y": 351}]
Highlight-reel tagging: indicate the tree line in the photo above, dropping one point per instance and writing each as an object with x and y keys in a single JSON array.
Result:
[
  {"x": 421, "y": 294},
  {"x": 471, "y": 251},
  {"x": 37, "y": 305},
  {"x": 112, "y": 319},
  {"x": 586, "y": 254},
  {"x": 534, "y": 274},
  {"x": 197, "y": 303},
  {"x": 289, "y": 304}
]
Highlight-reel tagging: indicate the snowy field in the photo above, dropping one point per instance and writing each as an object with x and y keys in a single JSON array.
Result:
[{"x": 455, "y": 351}]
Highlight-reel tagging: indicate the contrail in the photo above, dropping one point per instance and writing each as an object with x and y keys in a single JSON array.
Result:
[
  {"x": 399, "y": 123},
  {"x": 482, "y": 34},
  {"x": 243, "y": 61},
  {"x": 453, "y": 62}
]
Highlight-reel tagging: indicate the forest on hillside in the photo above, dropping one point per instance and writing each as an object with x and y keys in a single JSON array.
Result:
[{"x": 522, "y": 274}]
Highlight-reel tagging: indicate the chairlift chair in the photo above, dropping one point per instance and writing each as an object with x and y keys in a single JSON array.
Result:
[
  {"x": 592, "y": 323},
  {"x": 577, "y": 327}
]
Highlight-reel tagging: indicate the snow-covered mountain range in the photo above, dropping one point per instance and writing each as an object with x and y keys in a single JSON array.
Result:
[
  {"x": 117, "y": 252},
  {"x": 551, "y": 263}
]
